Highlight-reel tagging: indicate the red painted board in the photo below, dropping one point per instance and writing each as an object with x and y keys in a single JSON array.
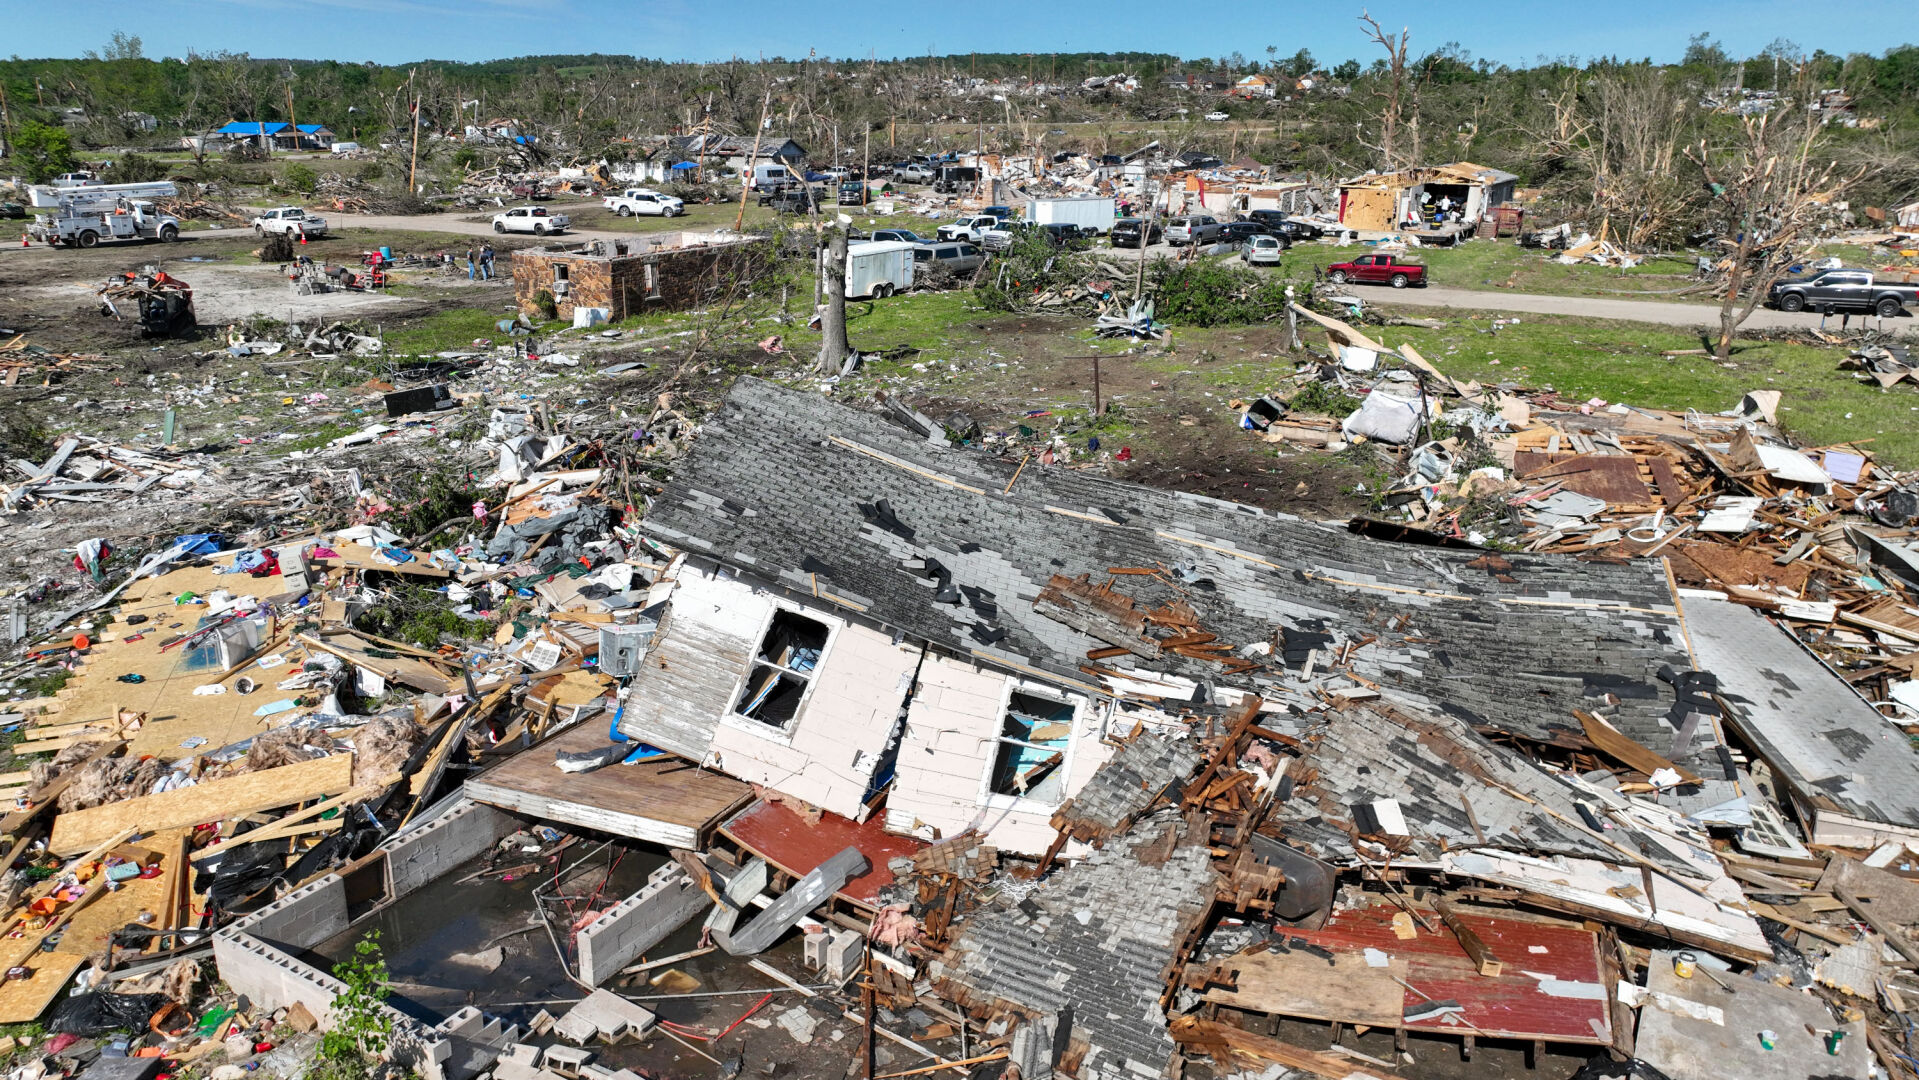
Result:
[
  {"x": 787, "y": 841},
  {"x": 1512, "y": 1004}
]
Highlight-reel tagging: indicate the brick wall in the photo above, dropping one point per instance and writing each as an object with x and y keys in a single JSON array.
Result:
[{"x": 624, "y": 285}]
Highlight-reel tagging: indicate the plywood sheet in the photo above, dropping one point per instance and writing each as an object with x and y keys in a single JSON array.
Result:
[
  {"x": 175, "y": 716},
  {"x": 23, "y": 1001},
  {"x": 1614, "y": 478},
  {"x": 666, "y": 800},
  {"x": 1299, "y": 984},
  {"x": 1552, "y": 987},
  {"x": 88, "y": 932},
  {"x": 212, "y": 800}
]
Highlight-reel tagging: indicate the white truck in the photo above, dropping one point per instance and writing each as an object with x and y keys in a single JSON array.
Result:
[
  {"x": 1092, "y": 214},
  {"x": 84, "y": 216},
  {"x": 877, "y": 268},
  {"x": 644, "y": 201},
  {"x": 291, "y": 220},
  {"x": 972, "y": 227}
]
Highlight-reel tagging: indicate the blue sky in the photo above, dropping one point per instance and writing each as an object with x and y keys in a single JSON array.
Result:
[{"x": 392, "y": 31}]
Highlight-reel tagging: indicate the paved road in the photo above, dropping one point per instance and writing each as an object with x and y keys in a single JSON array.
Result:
[{"x": 1647, "y": 311}]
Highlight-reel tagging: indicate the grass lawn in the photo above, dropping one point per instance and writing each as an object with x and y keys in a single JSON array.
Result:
[{"x": 1621, "y": 362}]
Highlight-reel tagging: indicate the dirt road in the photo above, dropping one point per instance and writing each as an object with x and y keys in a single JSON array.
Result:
[{"x": 1646, "y": 311}]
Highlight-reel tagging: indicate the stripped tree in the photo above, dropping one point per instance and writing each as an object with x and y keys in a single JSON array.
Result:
[
  {"x": 1398, "y": 97},
  {"x": 1770, "y": 191}
]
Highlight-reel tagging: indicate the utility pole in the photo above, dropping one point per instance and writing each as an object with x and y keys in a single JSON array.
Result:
[
  {"x": 866, "y": 167},
  {"x": 413, "y": 168},
  {"x": 6, "y": 123},
  {"x": 746, "y": 181}
]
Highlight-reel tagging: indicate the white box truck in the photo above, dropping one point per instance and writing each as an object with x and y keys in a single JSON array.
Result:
[
  {"x": 1091, "y": 214},
  {"x": 877, "y": 268}
]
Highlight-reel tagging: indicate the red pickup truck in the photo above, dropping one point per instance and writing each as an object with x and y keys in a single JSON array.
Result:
[{"x": 1379, "y": 270}]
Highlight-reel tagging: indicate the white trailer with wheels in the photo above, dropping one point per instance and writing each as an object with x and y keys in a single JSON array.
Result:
[
  {"x": 1093, "y": 215},
  {"x": 84, "y": 216},
  {"x": 878, "y": 268}
]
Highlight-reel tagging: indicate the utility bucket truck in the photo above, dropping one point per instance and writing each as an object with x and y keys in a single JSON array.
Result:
[{"x": 84, "y": 216}]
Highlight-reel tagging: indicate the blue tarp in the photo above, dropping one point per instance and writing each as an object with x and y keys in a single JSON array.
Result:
[
  {"x": 203, "y": 543},
  {"x": 687, "y": 165}
]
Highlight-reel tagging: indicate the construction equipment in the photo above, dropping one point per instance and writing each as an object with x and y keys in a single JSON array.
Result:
[{"x": 84, "y": 216}]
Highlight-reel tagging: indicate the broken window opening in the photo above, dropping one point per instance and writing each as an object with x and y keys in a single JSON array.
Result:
[
  {"x": 652, "y": 280},
  {"x": 1033, "y": 739},
  {"x": 783, "y": 669}
]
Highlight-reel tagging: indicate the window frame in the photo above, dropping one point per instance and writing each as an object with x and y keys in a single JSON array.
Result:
[
  {"x": 994, "y": 800},
  {"x": 780, "y": 733}
]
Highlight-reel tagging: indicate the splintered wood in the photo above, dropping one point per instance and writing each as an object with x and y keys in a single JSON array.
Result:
[{"x": 214, "y": 800}]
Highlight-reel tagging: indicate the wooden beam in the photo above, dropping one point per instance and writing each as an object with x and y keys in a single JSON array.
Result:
[
  {"x": 212, "y": 800},
  {"x": 1615, "y": 744},
  {"x": 1469, "y": 939},
  {"x": 1216, "y": 1038}
]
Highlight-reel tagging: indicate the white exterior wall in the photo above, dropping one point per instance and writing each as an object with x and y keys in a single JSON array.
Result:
[
  {"x": 947, "y": 753},
  {"x": 842, "y": 728}
]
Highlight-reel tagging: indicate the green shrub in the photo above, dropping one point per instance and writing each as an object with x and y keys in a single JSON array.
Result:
[
  {"x": 1210, "y": 292},
  {"x": 549, "y": 310},
  {"x": 300, "y": 178},
  {"x": 135, "y": 168}
]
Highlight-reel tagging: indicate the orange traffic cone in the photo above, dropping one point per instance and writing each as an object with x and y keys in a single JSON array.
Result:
[
  {"x": 303, "y": 237},
  {"x": 23, "y": 240}
]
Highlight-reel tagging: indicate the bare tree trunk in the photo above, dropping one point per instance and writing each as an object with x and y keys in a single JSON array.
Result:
[{"x": 833, "y": 345}]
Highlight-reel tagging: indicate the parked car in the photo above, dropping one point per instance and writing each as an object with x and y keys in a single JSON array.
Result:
[
  {"x": 1279, "y": 224},
  {"x": 960, "y": 258},
  {"x": 1378, "y": 270},
  {"x": 76, "y": 179},
  {"x": 12, "y": 210},
  {"x": 1136, "y": 232},
  {"x": 797, "y": 199},
  {"x": 291, "y": 220},
  {"x": 1195, "y": 229},
  {"x": 537, "y": 220},
  {"x": 645, "y": 201},
  {"x": 852, "y": 193},
  {"x": 970, "y": 227},
  {"x": 1238, "y": 232},
  {"x": 532, "y": 189},
  {"x": 1217, "y": 116},
  {"x": 915, "y": 173},
  {"x": 1061, "y": 234},
  {"x": 907, "y": 235},
  {"x": 1263, "y": 250},
  {"x": 1844, "y": 289}
]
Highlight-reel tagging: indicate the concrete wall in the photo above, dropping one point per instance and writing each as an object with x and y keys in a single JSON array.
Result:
[
  {"x": 303, "y": 918},
  {"x": 258, "y": 955},
  {"x": 622, "y": 284},
  {"x": 639, "y": 922},
  {"x": 417, "y": 857}
]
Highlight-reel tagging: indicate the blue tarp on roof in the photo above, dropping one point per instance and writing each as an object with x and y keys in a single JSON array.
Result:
[
  {"x": 252, "y": 127},
  {"x": 311, "y": 129}
]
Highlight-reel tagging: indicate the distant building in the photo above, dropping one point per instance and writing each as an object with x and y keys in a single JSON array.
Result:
[
  {"x": 732, "y": 151},
  {"x": 274, "y": 135},
  {"x": 620, "y": 278},
  {"x": 1254, "y": 86},
  {"x": 1379, "y": 202}
]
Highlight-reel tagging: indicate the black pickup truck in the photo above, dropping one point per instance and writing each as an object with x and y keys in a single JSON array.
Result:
[{"x": 1843, "y": 289}]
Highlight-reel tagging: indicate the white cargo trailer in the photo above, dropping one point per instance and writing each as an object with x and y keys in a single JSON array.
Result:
[
  {"x": 1091, "y": 214},
  {"x": 878, "y": 268}
]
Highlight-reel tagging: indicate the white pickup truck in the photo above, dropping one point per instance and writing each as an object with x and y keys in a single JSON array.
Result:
[
  {"x": 537, "y": 220},
  {"x": 972, "y": 227},
  {"x": 290, "y": 220},
  {"x": 645, "y": 201}
]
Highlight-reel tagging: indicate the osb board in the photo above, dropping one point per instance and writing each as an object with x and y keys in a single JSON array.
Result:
[
  {"x": 1614, "y": 479},
  {"x": 1300, "y": 984},
  {"x": 87, "y": 933},
  {"x": 571, "y": 688},
  {"x": 212, "y": 800},
  {"x": 174, "y": 714},
  {"x": 23, "y": 1001},
  {"x": 1705, "y": 564}
]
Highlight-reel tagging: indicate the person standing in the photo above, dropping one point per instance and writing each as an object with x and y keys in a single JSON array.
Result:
[
  {"x": 471, "y": 272},
  {"x": 486, "y": 263}
]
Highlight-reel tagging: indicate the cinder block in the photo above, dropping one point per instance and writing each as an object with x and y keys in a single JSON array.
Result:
[{"x": 669, "y": 899}]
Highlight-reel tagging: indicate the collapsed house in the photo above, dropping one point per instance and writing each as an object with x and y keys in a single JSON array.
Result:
[
  {"x": 620, "y": 278},
  {"x": 1381, "y": 201}
]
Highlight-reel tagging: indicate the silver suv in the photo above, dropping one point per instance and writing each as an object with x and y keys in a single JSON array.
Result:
[{"x": 1196, "y": 229}]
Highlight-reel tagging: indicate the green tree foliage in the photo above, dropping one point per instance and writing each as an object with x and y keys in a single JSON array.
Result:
[
  {"x": 44, "y": 152},
  {"x": 136, "y": 168},
  {"x": 361, "y": 1027},
  {"x": 1214, "y": 292},
  {"x": 300, "y": 178}
]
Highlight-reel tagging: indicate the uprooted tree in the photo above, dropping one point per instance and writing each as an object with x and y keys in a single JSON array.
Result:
[{"x": 1769, "y": 191}]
